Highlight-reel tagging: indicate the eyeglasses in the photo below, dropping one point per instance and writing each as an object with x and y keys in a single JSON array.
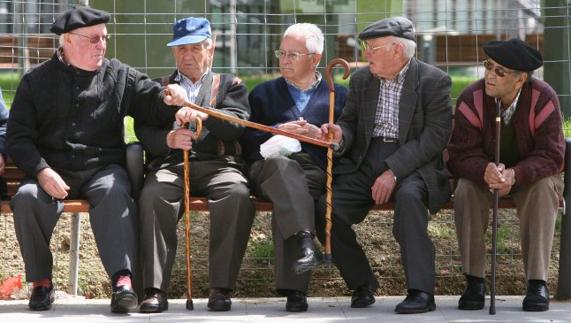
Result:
[
  {"x": 294, "y": 56},
  {"x": 365, "y": 46},
  {"x": 95, "y": 38},
  {"x": 500, "y": 72}
]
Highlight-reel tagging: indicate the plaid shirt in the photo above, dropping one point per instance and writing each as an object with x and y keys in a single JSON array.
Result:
[
  {"x": 508, "y": 113},
  {"x": 387, "y": 116}
]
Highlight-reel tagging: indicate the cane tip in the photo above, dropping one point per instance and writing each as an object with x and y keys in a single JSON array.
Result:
[
  {"x": 492, "y": 311},
  {"x": 327, "y": 259},
  {"x": 189, "y": 305}
]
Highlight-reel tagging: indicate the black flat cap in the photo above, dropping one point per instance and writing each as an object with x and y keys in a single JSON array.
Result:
[
  {"x": 514, "y": 53},
  {"x": 395, "y": 26},
  {"x": 78, "y": 17}
]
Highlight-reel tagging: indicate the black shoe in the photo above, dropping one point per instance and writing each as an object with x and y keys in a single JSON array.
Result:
[
  {"x": 219, "y": 300},
  {"x": 416, "y": 302},
  {"x": 296, "y": 302},
  {"x": 474, "y": 295},
  {"x": 537, "y": 296},
  {"x": 362, "y": 297},
  {"x": 155, "y": 301},
  {"x": 42, "y": 298},
  {"x": 309, "y": 258},
  {"x": 123, "y": 299}
]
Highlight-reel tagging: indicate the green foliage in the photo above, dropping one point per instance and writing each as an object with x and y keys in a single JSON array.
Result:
[
  {"x": 8, "y": 83},
  {"x": 459, "y": 83},
  {"x": 262, "y": 248}
]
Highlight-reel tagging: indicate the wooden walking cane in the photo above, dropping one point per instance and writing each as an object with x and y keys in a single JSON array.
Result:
[
  {"x": 223, "y": 116},
  {"x": 186, "y": 177},
  {"x": 495, "y": 213},
  {"x": 327, "y": 259}
]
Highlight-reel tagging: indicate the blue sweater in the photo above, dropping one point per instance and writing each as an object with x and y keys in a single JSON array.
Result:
[{"x": 272, "y": 104}]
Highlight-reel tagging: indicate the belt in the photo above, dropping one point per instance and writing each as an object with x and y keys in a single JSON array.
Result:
[{"x": 389, "y": 140}]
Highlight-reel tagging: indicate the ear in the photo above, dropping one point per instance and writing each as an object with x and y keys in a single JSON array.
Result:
[{"x": 315, "y": 59}]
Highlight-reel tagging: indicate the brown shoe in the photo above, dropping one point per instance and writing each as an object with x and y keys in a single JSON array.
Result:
[
  {"x": 155, "y": 301},
  {"x": 219, "y": 300}
]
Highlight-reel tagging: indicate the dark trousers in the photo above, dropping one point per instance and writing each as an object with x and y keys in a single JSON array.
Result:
[
  {"x": 112, "y": 217},
  {"x": 352, "y": 200},
  {"x": 292, "y": 185},
  {"x": 231, "y": 216}
]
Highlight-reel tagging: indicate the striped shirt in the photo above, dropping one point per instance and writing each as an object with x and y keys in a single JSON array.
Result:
[
  {"x": 387, "y": 115},
  {"x": 190, "y": 87}
]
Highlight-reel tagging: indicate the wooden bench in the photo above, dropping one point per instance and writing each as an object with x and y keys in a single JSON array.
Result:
[{"x": 13, "y": 176}]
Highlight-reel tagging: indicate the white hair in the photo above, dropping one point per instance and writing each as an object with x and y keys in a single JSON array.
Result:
[
  {"x": 312, "y": 33},
  {"x": 61, "y": 40},
  {"x": 409, "y": 46}
]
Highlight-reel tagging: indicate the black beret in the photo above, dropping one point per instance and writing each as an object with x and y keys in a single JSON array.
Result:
[
  {"x": 78, "y": 17},
  {"x": 395, "y": 26},
  {"x": 514, "y": 53}
]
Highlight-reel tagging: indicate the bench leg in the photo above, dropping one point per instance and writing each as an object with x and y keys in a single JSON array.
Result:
[{"x": 74, "y": 253}]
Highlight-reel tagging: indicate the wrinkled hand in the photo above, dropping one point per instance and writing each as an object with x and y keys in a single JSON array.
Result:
[
  {"x": 175, "y": 95},
  {"x": 499, "y": 178},
  {"x": 180, "y": 139},
  {"x": 186, "y": 115},
  {"x": 301, "y": 127},
  {"x": 335, "y": 130},
  {"x": 52, "y": 183},
  {"x": 2, "y": 165},
  {"x": 383, "y": 187}
]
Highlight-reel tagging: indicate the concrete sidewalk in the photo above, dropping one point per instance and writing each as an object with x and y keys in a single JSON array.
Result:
[{"x": 273, "y": 310}]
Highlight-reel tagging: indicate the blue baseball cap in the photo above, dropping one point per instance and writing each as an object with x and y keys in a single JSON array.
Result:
[{"x": 190, "y": 31}]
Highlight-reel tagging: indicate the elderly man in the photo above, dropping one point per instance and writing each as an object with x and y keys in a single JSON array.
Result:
[
  {"x": 391, "y": 133},
  {"x": 292, "y": 180},
  {"x": 216, "y": 172},
  {"x": 65, "y": 132},
  {"x": 531, "y": 159}
]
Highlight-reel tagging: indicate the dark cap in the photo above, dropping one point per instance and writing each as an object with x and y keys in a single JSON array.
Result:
[
  {"x": 395, "y": 26},
  {"x": 190, "y": 30},
  {"x": 78, "y": 17},
  {"x": 514, "y": 53}
]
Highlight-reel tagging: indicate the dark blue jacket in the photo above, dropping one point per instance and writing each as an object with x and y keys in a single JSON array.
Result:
[{"x": 272, "y": 104}]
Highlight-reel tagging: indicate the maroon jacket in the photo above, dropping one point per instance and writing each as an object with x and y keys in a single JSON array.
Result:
[{"x": 538, "y": 130}]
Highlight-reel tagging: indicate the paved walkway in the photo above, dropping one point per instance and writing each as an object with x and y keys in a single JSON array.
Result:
[{"x": 273, "y": 310}]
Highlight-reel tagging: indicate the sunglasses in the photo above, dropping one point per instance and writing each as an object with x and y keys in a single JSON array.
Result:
[
  {"x": 95, "y": 38},
  {"x": 500, "y": 72}
]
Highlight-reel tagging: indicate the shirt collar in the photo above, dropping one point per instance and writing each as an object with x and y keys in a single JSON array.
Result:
[
  {"x": 399, "y": 79},
  {"x": 180, "y": 78},
  {"x": 313, "y": 86},
  {"x": 508, "y": 113}
]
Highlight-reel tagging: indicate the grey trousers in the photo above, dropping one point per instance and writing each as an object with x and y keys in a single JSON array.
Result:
[
  {"x": 161, "y": 208},
  {"x": 112, "y": 217},
  {"x": 352, "y": 200},
  {"x": 536, "y": 206},
  {"x": 292, "y": 185}
]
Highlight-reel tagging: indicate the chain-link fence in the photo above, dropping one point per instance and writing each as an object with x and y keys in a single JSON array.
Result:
[{"x": 450, "y": 35}]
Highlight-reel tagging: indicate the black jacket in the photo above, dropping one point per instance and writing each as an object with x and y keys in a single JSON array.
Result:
[
  {"x": 66, "y": 118},
  {"x": 218, "y": 138}
]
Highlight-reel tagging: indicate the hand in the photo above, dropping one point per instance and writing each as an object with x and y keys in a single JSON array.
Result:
[
  {"x": 52, "y": 183},
  {"x": 301, "y": 127},
  {"x": 334, "y": 129},
  {"x": 2, "y": 165},
  {"x": 186, "y": 115},
  {"x": 180, "y": 139},
  {"x": 493, "y": 173},
  {"x": 175, "y": 95},
  {"x": 505, "y": 187},
  {"x": 383, "y": 187}
]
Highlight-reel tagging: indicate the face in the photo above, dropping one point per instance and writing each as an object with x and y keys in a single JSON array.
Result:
[
  {"x": 85, "y": 47},
  {"x": 193, "y": 60},
  {"x": 501, "y": 82},
  {"x": 296, "y": 63},
  {"x": 384, "y": 56}
]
